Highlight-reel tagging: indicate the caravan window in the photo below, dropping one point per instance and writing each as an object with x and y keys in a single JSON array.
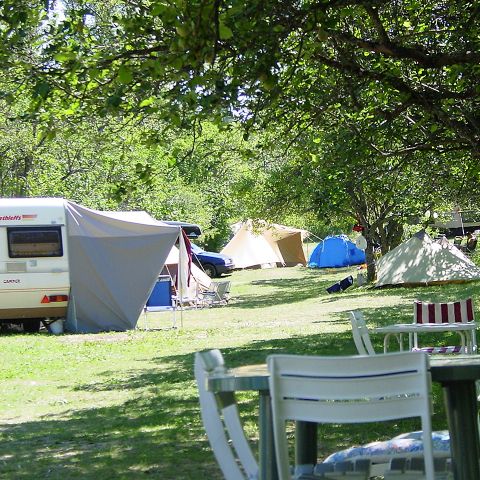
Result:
[{"x": 27, "y": 242}]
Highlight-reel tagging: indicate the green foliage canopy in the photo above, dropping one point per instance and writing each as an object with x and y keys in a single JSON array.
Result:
[
  {"x": 409, "y": 63},
  {"x": 388, "y": 91}
]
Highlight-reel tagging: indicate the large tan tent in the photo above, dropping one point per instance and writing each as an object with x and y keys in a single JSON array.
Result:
[
  {"x": 266, "y": 245},
  {"x": 422, "y": 261}
]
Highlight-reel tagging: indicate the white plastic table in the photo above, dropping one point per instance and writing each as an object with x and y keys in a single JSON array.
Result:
[{"x": 457, "y": 377}]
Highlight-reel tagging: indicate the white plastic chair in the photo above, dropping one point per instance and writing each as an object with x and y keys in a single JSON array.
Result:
[
  {"x": 354, "y": 389},
  {"x": 222, "y": 422},
  {"x": 361, "y": 334},
  {"x": 361, "y": 337}
]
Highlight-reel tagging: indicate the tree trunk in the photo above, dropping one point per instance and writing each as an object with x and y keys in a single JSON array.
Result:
[
  {"x": 369, "y": 258},
  {"x": 394, "y": 234}
]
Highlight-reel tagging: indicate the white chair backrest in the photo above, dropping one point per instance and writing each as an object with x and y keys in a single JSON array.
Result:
[
  {"x": 360, "y": 333},
  {"x": 220, "y": 417},
  {"x": 354, "y": 389}
]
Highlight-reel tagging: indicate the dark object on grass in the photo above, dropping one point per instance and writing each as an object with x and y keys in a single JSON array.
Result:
[{"x": 341, "y": 285}]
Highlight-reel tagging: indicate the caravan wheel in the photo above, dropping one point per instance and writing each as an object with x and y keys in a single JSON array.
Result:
[{"x": 32, "y": 325}]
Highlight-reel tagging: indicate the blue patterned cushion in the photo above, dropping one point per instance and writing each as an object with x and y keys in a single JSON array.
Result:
[{"x": 406, "y": 444}]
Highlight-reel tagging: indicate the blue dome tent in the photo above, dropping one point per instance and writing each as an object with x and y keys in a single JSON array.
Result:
[{"x": 336, "y": 251}]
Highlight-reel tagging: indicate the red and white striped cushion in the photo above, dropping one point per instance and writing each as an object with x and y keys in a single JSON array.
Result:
[
  {"x": 452, "y": 349},
  {"x": 451, "y": 312}
]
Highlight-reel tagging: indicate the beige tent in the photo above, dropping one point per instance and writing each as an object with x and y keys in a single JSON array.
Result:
[
  {"x": 422, "y": 260},
  {"x": 266, "y": 245}
]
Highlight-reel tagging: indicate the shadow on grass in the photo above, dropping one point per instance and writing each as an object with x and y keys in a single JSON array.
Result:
[
  {"x": 282, "y": 292},
  {"x": 158, "y": 434},
  {"x": 313, "y": 284}
]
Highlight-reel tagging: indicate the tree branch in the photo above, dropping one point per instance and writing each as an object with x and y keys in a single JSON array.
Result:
[
  {"x": 417, "y": 54},
  {"x": 377, "y": 23}
]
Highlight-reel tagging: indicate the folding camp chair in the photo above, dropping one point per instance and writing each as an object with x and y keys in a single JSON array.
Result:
[
  {"x": 341, "y": 285},
  {"x": 217, "y": 294},
  {"x": 452, "y": 312}
]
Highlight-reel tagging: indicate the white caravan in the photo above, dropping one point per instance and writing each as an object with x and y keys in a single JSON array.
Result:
[{"x": 34, "y": 276}]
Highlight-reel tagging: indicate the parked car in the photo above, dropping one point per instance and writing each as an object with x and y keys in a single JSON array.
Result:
[
  {"x": 191, "y": 229},
  {"x": 213, "y": 263}
]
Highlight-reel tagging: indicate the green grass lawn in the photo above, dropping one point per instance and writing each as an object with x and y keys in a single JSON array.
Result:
[{"x": 124, "y": 405}]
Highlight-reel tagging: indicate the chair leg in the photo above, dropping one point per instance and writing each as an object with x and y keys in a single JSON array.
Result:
[
  {"x": 145, "y": 319},
  {"x": 473, "y": 340}
]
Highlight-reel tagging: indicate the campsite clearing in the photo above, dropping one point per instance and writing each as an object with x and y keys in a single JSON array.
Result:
[{"x": 124, "y": 405}]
